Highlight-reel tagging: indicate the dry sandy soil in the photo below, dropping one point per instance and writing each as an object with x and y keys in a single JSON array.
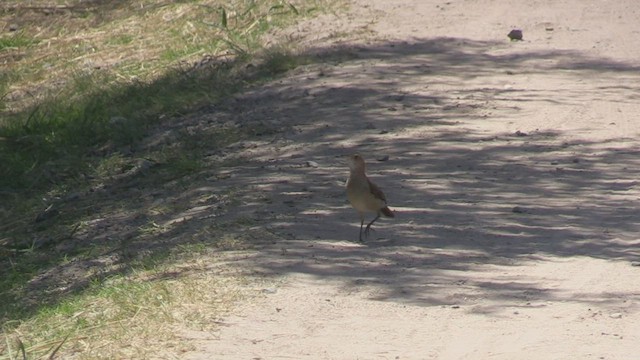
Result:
[{"x": 512, "y": 168}]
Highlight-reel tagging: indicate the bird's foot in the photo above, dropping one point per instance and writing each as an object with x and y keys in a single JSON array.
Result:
[{"x": 367, "y": 230}]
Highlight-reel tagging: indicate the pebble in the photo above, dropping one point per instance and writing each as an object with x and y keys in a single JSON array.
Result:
[
  {"x": 616, "y": 316},
  {"x": 312, "y": 164},
  {"x": 518, "y": 210},
  {"x": 515, "y": 34}
]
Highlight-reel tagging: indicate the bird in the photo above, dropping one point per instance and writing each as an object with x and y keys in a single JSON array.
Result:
[{"x": 365, "y": 196}]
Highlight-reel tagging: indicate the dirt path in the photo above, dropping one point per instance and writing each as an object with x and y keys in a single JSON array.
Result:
[{"x": 512, "y": 167}]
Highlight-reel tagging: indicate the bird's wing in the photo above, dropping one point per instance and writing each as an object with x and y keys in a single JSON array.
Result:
[{"x": 375, "y": 190}]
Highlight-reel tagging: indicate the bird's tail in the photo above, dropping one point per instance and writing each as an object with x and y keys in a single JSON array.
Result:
[{"x": 387, "y": 212}]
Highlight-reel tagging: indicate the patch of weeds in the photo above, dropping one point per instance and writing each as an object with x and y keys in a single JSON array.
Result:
[
  {"x": 127, "y": 316},
  {"x": 15, "y": 42},
  {"x": 279, "y": 59},
  {"x": 122, "y": 39},
  {"x": 113, "y": 165}
]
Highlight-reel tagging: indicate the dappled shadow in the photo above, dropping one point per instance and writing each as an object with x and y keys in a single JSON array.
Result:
[{"x": 467, "y": 196}]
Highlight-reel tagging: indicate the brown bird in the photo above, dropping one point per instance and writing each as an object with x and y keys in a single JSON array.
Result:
[{"x": 364, "y": 195}]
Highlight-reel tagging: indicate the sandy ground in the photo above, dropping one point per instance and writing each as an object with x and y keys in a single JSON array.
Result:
[{"x": 512, "y": 167}]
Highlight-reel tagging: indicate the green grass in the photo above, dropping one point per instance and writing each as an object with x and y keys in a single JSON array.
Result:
[
  {"x": 114, "y": 107},
  {"x": 15, "y": 41},
  {"x": 82, "y": 101}
]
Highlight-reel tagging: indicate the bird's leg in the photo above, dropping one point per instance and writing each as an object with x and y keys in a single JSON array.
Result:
[
  {"x": 366, "y": 230},
  {"x": 361, "y": 224}
]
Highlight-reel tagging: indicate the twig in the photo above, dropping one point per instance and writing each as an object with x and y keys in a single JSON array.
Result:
[{"x": 53, "y": 354}]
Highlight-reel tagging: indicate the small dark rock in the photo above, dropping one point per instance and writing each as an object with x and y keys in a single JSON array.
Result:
[
  {"x": 520, "y": 133},
  {"x": 518, "y": 210},
  {"x": 13, "y": 27},
  {"x": 515, "y": 34},
  {"x": 635, "y": 263},
  {"x": 383, "y": 158}
]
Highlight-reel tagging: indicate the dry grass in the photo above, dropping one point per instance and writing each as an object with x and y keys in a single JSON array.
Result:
[
  {"x": 138, "y": 316},
  {"x": 83, "y": 86},
  {"x": 130, "y": 41}
]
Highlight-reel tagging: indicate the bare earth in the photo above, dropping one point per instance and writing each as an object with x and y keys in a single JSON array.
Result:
[{"x": 512, "y": 168}]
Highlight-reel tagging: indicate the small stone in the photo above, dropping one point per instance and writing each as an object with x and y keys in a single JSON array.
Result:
[
  {"x": 635, "y": 263},
  {"x": 312, "y": 164},
  {"x": 455, "y": 306},
  {"x": 515, "y": 34},
  {"x": 520, "y": 133},
  {"x": 616, "y": 316},
  {"x": 383, "y": 158},
  {"x": 13, "y": 27},
  {"x": 548, "y": 28},
  {"x": 270, "y": 290},
  {"x": 518, "y": 210}
]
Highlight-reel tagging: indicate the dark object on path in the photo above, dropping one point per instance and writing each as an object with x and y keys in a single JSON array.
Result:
[{"x": 515, "y": 34}]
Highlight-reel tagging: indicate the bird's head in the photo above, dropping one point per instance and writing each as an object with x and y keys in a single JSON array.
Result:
[{"x": 355, "y": 162}]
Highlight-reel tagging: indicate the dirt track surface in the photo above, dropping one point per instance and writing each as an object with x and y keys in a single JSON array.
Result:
[{"x": 512, "y": 168}]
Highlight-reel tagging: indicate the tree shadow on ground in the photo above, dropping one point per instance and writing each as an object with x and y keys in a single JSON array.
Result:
[{"x": 466, "y": 197}]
